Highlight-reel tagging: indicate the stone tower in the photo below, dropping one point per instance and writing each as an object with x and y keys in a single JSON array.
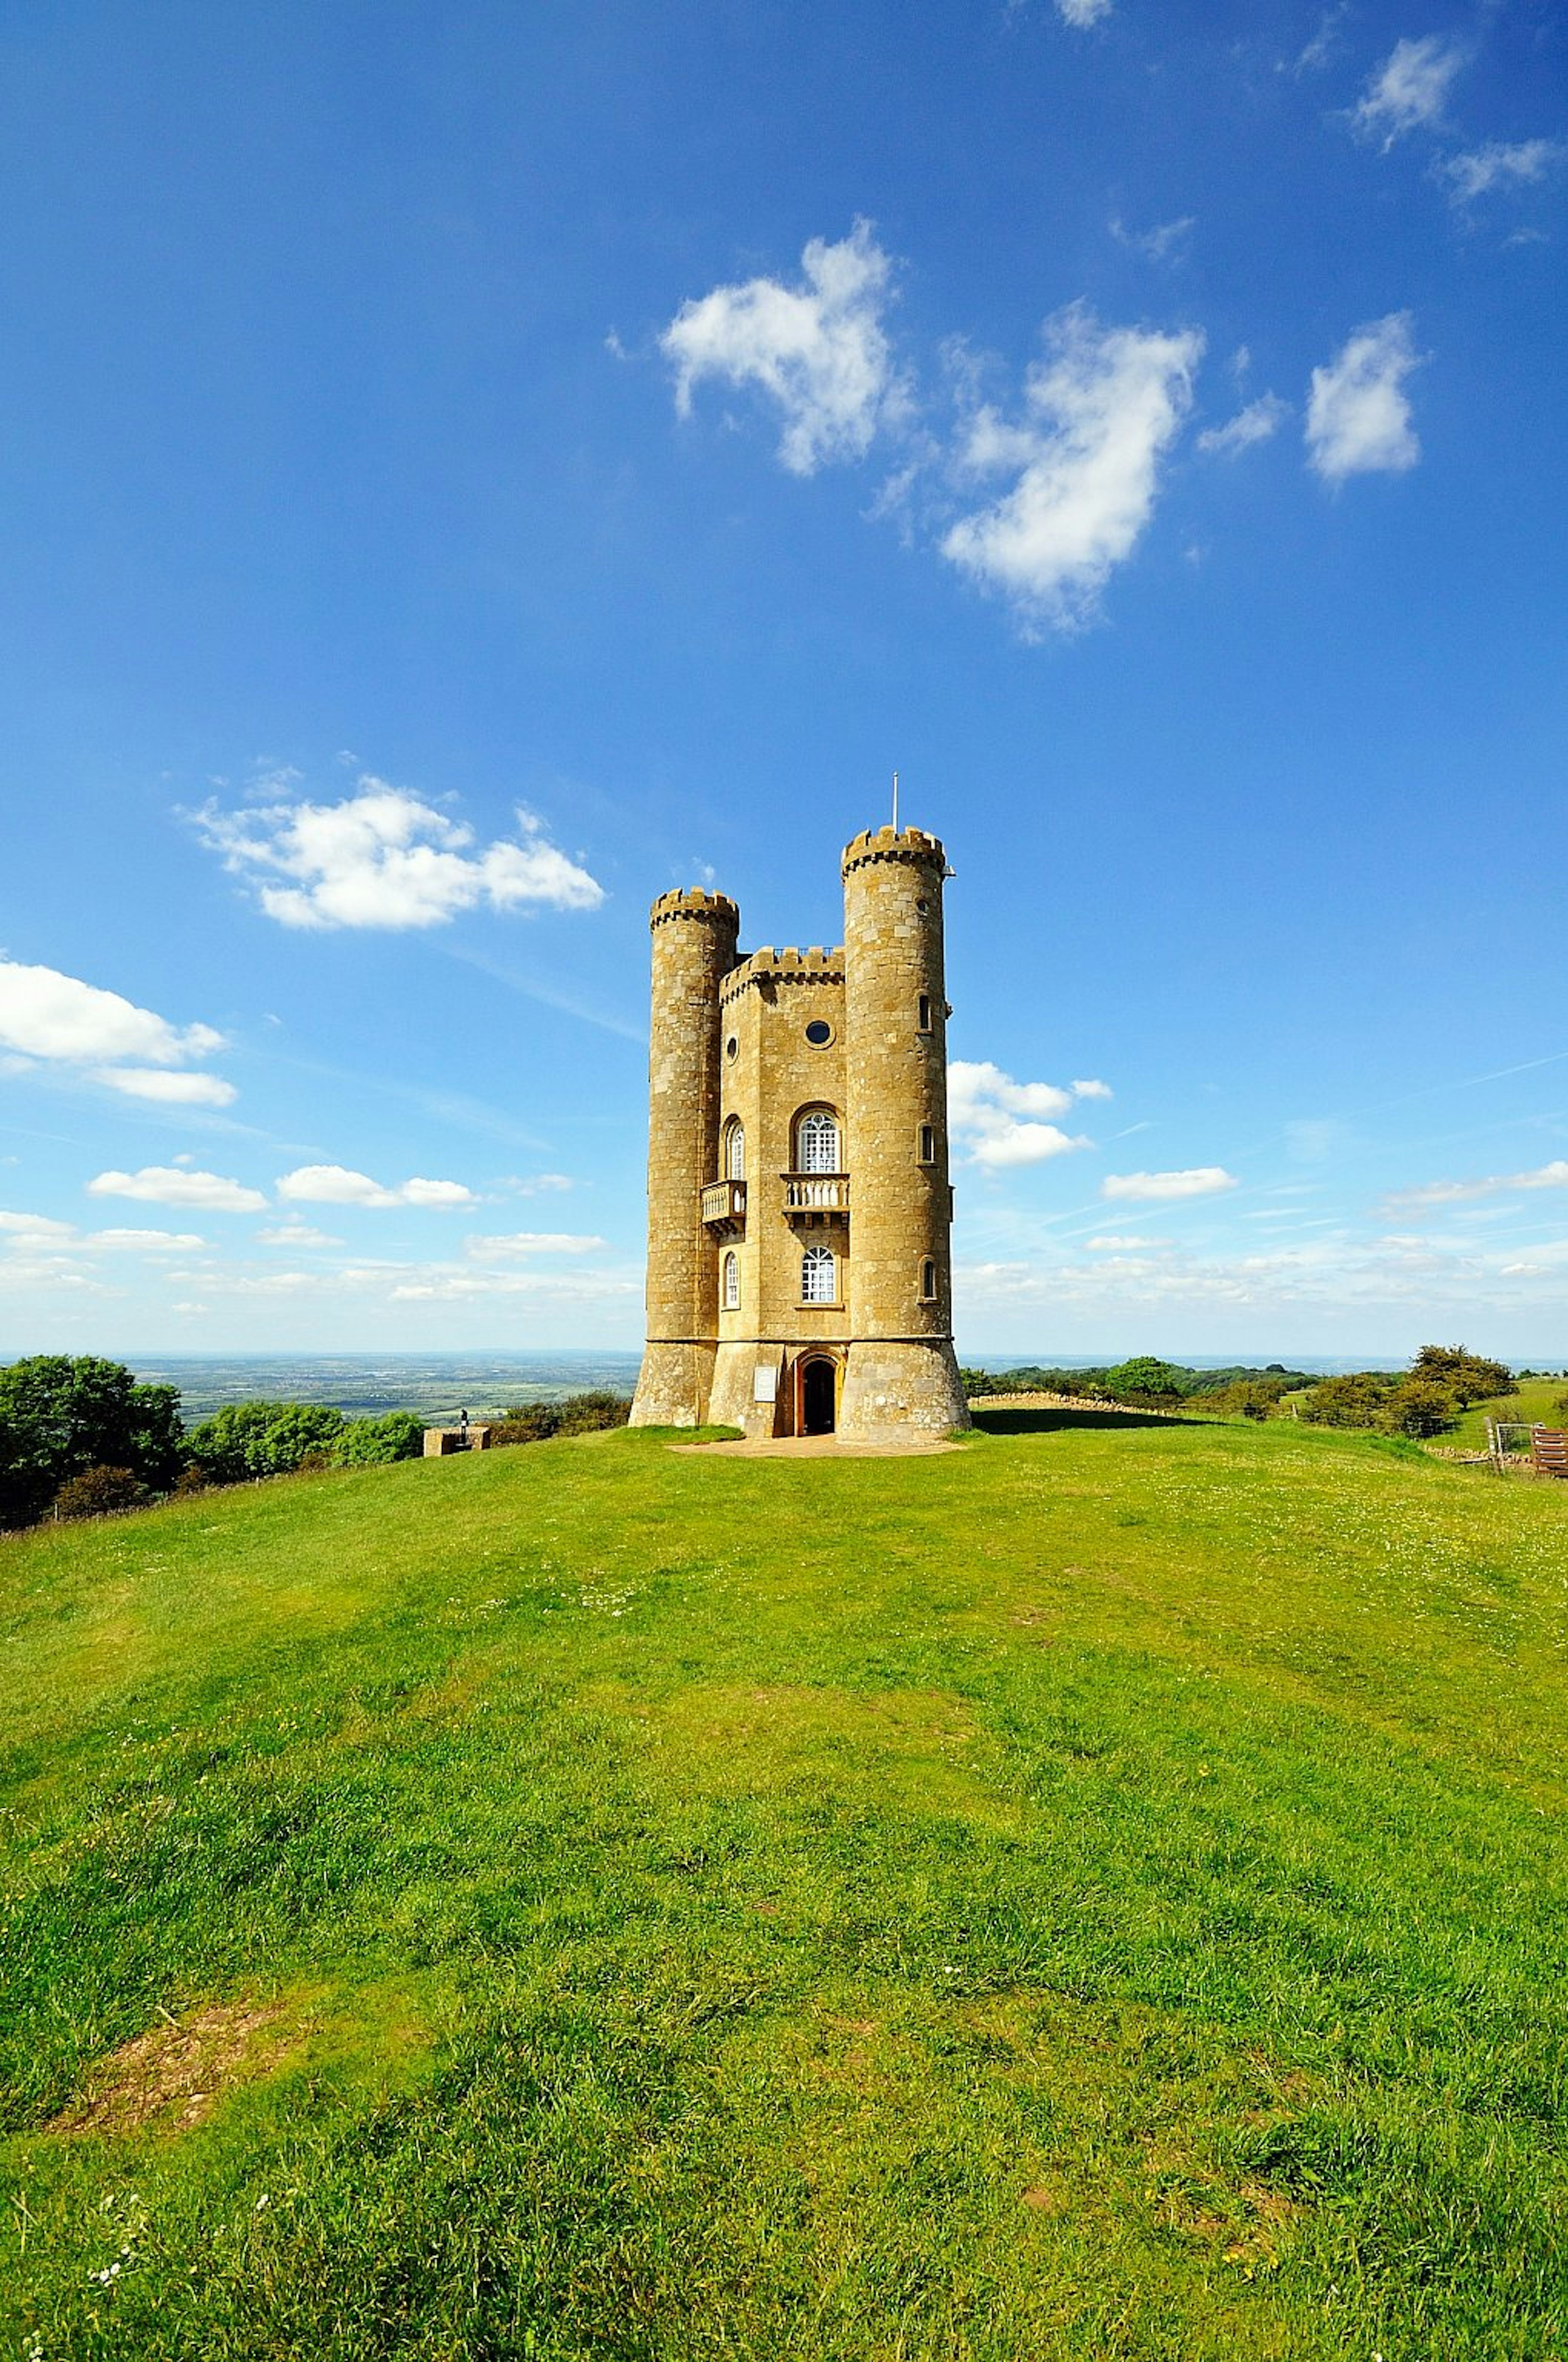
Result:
[{"x": 799, "y": 1278}]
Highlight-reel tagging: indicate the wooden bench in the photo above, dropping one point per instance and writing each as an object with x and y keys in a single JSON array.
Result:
[{"x": 1549, "y": 1449}]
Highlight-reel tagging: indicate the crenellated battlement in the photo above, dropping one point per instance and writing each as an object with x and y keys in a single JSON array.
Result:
[
  {"x": 908, "y": 844},
  {"x": 789, "y": 965},
  {"x": 694, "y": 902}
]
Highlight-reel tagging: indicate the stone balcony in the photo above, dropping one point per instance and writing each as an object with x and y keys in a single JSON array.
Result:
[
  {"x": 816, "y": 1196},
  {"x": 724, "y": 1208}
]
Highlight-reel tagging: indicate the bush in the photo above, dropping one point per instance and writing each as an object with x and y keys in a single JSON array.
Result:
[
  {"x": 61, "y": 1414},
  {"x": 375, "y": 1442},
  {"x": 526, "y": 1423},
  {"x": 99, "y": 1493},
  {"x": 588, "y": 1414},
  {"x": 1417, "y": 1406},
  {"x": 263, "y": 1439}
]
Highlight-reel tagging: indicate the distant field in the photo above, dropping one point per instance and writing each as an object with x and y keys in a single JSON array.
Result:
[
  {"x": 1097, "y": 1893},
  {"x": 363, "y": 1385}
]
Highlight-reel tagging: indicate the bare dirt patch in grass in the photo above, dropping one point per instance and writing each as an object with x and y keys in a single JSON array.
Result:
[{"x": 172, "y": 2074}]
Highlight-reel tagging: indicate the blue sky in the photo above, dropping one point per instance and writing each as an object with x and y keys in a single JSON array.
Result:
[{"x": 466, "y": 471}]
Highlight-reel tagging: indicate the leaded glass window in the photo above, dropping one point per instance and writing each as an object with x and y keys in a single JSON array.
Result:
[
  {"x": 818, "y": 1276},
  {"x": 816, "y": 1142}
]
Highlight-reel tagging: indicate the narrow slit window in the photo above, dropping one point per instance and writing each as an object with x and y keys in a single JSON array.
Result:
[
  {"x": 927, "y": 1282},
  {"x": 924, "y": 1012},
  {"x": 928, "y": 1144},
  {"x": 731, "y": 1283},
  {"x": 818, "y": 1276}
]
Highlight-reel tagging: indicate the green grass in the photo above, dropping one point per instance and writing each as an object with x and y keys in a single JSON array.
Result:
[{"x": 1098, "y": 1893}]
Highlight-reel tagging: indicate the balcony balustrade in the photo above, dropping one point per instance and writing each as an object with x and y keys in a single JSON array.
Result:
[
  {"x": 724, "y": 1207},
  {"x": 816, "y": 1193}
]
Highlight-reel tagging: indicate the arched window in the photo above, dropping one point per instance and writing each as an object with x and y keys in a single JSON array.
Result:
[
  {"x": 731, "y": 1282},
  {"x": 816, "y": 1141},
  {"x": 734, "y": 1150},
  {"x": 927, "y": 1281},
  {"x": 818, "y": 1276}
]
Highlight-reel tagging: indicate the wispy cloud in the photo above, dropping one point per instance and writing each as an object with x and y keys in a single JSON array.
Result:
[
  {"x": 169, "y": 1089},
  {"x": 1408, "y": 91},
  {"x": 1478, "y": 172},
  {"x": 1099, "y": 411},
  {"x": 818, "y": 349},
  {"x": 1359, "y": 417},
  {"x": 535, "y": 1242},
  {"x": 1161, "y": 244},
  {"x": 385, "y": 858},
  {"x": 1081, "y": 14},
  {"x": 1430, "y": 1194},
  {"x": 1255, "y": 423},
  {"x": 1196, "y": 1181}
]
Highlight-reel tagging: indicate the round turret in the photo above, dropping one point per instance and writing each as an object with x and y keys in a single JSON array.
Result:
[
  {"x": 694, "y": 949},
  {"x": 902, "y": 1371}
]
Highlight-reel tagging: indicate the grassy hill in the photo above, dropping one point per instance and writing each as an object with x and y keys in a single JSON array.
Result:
[
  {"x": 1097, "y": 1893},
  {"x": 1535, "y": 1399}
]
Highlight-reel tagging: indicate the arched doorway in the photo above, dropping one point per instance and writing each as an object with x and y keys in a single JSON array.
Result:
[{"x": 816, "y": 1398}]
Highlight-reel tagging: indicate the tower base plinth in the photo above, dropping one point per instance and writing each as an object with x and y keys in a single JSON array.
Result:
[
  {"x": 673, "y": 1385},
  {"x": 902, "y": 1386}
]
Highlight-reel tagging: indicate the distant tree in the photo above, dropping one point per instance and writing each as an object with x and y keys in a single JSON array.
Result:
[
  {"x": 1418, "y": 1407},
  {"x": 1144, "y": 1380},
  {"x": 373, "y": 1443},
  {"x": 1467, "y": 1377},
  {"x": 62, "y": 1413},
  {"x": 263, "y": 1439},
  {"x": 99, "y": 1493},
  {"x": 1358, "y": 1399}
]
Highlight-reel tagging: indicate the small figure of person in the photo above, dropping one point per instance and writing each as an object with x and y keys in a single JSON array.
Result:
[{"x": 462, "y": 1430}]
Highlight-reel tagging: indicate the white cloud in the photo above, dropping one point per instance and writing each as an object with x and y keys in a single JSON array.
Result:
[
  {"x": 1358, "y": 419},
  {"x": 535, "y": 1242},
  {"x": 818, "y": 349},
  {"x": 1255, "y": 423},
  {"x": 1000, "y": 1123},
  {"x": 1090, "y": 1090},
  {"x": 1100, "y": 410},
  {"x": 540, "y": 1185},
  {"x": 1499, "y": 165},
  {"x": 1082, "y": 13},
  {"x": 1408, "y": 88},
  {"x": 338, "y": 1184},
  {"x": 1431, "y": 1194},
  {"x": 1112, "y": 1244},
  {"x": 46, "y": 1015},
  {"x": 171, "y": 1090},
  {"x": 385, "y": 858},
  {"x": 167, "y": 1184},
  {"x": 295, "y": 1234},
  {"x": 1197, "y": 1181},
  {"x": 37, "y": 1228}
]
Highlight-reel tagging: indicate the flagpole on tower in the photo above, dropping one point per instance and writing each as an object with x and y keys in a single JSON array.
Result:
[{"x": 895, "y": 803}]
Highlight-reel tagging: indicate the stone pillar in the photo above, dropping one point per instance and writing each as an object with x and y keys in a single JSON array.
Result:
[
  {"x": 902, "y": 1372},
  {"x": 694, "y": 949}
]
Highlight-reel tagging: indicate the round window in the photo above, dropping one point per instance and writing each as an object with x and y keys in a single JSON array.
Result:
[
  {"x": 731, "y": 1046},
  {"x": 819, "y": 1033}
]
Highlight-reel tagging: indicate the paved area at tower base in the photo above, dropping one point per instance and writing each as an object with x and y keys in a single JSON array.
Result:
[{"x": 826, "y": 1447}]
